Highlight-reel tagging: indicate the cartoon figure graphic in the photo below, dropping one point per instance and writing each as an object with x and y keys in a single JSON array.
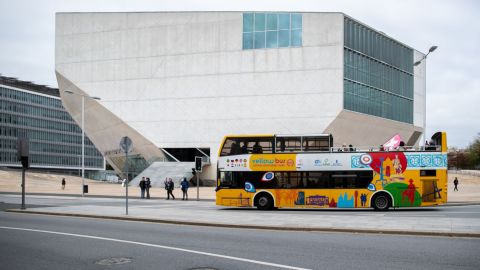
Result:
[
  {"x": 397, "y": 166},
  {"x": 409, "y": 192},
  {"x": 363, "y": 199},
  {"x": 388, "y": 167}
]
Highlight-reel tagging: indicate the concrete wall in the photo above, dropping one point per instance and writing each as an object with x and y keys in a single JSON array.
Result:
[{"x": 183, "y": 80}]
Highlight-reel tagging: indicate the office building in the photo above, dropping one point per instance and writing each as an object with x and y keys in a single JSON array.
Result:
[{"x": 36, "y": 112}]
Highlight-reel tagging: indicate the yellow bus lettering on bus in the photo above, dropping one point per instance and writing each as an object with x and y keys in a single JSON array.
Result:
[{"x": 263, "y": 162}]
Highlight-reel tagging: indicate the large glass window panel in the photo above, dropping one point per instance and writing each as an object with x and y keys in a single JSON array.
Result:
[
  {"x": 259, "y": 21},
  {"x": 272, "y": 21},
  {"x": 296, "y": 21},
  {"x": 248, "y": 40},
  {"x": 259, "y": 40},
  {"x": 283, "y": 38},
  {"x": 272, "y": 39},
  {"x": 284, "y": 21},
  {"x": 297, "y": 37}
]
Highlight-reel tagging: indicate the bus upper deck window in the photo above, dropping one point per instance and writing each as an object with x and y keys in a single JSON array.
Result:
[{"x": 288, "y": 144}]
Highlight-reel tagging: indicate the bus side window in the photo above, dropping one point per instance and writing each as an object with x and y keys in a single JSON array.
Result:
[
  {"x": 227, "y": 148},
  {"x": 319, "y": 143},
  {"x": 281, "y": 178},
  {"x": 288, "y": 144}
]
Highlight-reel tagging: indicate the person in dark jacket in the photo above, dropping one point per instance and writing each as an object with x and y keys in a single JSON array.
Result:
[
  {"x": 185, "y": 187},
  {"x": 455, "y": 182},
  {"x": 63, "y": 183},
  {"x": 142, "y": 187},
  {"x": 148, "y": 185},
  {"x": 170, "y": 187}
]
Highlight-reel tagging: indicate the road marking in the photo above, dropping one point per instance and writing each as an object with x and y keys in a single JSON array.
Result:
[{"x": 159, "y": 246}]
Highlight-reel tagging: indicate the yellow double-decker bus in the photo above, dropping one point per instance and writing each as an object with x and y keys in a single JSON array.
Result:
[{"x": 306, "y": 171}]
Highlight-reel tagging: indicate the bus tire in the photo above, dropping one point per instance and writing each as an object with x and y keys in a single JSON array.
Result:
[
  {"x": 381, "y": 201},
  {"x": 264, "y": 201}
]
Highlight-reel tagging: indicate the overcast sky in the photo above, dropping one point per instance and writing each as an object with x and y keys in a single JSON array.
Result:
[{"x": 27, "y": 43}]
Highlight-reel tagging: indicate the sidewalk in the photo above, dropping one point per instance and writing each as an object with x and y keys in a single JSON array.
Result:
[{"x": 50, "y": 184}]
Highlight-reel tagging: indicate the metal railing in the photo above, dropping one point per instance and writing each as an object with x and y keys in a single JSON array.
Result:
[{"x": 431, "y": 148}]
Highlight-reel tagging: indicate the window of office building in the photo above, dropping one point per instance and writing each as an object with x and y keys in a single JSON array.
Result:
[
  {"x": 271, "y": 30},
  {"x": 55, "y": 139},
  {"x": 378, "y": 74}
]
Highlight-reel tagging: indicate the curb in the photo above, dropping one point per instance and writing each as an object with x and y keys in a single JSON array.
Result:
[
  {"x": 256, "y": 227},
  {"x": 460, "y": 204}
]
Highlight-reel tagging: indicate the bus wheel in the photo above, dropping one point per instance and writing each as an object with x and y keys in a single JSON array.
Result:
[
  {"x": 381, "y": 202},
  {"x": 264, "y": 201}
]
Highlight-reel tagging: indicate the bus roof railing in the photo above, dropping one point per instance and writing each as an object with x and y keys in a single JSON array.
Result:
[{"x": 379, "y": 149}]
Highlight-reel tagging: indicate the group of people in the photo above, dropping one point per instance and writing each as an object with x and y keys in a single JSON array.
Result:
[
  {"x": 145, "y": 185},
  {"x": 238, "y": 149},
  {"x": 400, "y": 147},
  {"x": 344, "y": 148}
]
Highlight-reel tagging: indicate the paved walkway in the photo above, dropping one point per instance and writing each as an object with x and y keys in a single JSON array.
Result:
[{"x": 445, "y": 221}]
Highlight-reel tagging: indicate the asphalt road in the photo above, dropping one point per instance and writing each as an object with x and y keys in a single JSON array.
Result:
[
  {"x": 33, "y": 201},
  {"x": 80, "y": 243}
]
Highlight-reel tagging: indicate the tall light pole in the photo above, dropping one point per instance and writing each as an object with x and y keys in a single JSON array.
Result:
[
  {"x": 433, "y": 48},
  {"x": 83, "y": 134}
]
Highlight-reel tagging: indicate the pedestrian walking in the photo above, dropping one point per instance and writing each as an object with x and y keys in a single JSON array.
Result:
[
  {"x": 124, "y": 182},
  {"x": 455, "y": 182},
  {"x": 148, "y": 185},
  {"x": 165, "y": 184},
  {"x": 63, "y": 183},
  {"x": 185, "y": 187},
  {"x": 142, "y": 188},
  {"x": 170, "y": 187}
]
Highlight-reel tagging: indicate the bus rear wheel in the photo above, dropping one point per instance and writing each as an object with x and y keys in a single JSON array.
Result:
[
  {"x": 381, "y": 202},
  {"x": 264, "y": 201}
]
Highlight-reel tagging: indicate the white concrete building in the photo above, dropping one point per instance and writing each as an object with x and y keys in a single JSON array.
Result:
[{"x": 183, "y": 80}]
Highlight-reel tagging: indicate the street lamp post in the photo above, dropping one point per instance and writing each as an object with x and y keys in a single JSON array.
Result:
[
  {"x": 433, "y": 48},
  {"x": 83, "y": 134}
]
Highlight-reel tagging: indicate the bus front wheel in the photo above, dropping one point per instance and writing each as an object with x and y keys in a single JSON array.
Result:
[
  {"x": 381, "y": 202},
  {"x": 264, "y": 201}
]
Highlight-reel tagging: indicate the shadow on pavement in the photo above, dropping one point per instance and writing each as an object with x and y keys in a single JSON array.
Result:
[
  {"x": 429, "y": 209},
  {"x": 5, "y": 206}
]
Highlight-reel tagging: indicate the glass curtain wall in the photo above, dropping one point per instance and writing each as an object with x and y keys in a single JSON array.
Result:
[
  {"x": 271, "y": 30},
  {"x": 55, "y": 139},
  {"x": 378, "y": 74}
]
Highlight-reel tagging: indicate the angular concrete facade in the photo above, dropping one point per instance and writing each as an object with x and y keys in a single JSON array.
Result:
[{"x": 182, "y": 80}]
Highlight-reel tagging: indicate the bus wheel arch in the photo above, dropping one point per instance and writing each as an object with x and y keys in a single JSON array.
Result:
[
  {"x": 264, "y": 200},
  {"x": 381, "y": 200}
]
